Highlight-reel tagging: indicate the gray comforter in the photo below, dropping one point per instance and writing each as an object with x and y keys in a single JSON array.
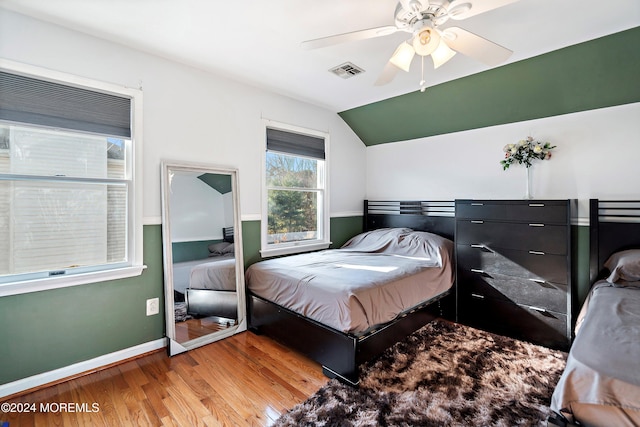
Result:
[
  {"x": 217, "y": 273},
  {"x": 601, "y": 382},
  {"x": 371, "y": 280}
]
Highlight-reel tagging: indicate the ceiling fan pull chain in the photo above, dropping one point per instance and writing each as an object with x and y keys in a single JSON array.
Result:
[{"x": 423, "y": 83}]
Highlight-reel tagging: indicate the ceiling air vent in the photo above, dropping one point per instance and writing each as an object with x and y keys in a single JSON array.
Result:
[{"x": 346, "y": 70}]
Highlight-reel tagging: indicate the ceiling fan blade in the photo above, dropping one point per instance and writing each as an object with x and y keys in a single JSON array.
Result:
[
  {"x": 349, "y": 37},
  {"x": 463, "y": 9},
  {"x": 476, "y": 47},
  {"x": 406, "y": 5},
  {"x": 388, "y": 73}
]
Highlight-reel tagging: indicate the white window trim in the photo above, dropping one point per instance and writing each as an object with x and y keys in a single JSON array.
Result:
[
  {"x": 302, "y": 246},
  {"x": 135, "y": 232}
]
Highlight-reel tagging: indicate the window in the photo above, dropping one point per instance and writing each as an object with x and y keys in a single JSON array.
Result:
[
  {"x": 295, "y": 202},
  {"x": 67, "y": 181}
]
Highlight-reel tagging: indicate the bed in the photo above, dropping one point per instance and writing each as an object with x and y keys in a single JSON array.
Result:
[
  {"x": 342, "y": 307},
  {"x": 214, "y": 273},
  {"x": 206, "y": 287},
  {"x": 600, "y": 385}
]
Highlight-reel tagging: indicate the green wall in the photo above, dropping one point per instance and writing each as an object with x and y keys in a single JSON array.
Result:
[
  {"x": 47, "y": 330},
  {"x": 344, "y": 228},
  {"x": 596, "y": 74},
  {"x": 188, "y": 251},
  {"x": 251, "y": 242}
]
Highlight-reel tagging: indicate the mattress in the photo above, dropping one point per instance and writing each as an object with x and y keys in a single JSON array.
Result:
[
  {"x": 601, "y": 382},
  {"x": 371, "y": 280},
  {"x": 216, "y": 273}
]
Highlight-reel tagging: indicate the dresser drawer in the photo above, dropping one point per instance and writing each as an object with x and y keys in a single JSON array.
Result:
[
  {"x": 539, "y": 266},
  {"x": 504, "y": 318},
  {"x": 529, "y": 237},
  {"x": 526, "y": 211},
  {"x": 542, "y": 295},
  {"x": 544, "y": 212},
  {"x": 481, "y": 210}
]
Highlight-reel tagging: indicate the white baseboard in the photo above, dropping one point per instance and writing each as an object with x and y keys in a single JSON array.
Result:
[{"x": 78, "y": 368}]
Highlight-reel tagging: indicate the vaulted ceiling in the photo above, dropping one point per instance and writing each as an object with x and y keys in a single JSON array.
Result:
[{"x": 259, "y": 42}]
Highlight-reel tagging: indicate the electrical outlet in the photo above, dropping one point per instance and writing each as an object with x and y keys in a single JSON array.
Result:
[{"x": 153, "y": 306}]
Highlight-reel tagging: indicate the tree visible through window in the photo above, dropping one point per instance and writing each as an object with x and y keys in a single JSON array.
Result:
[
  {"x": 295, "y": 189},
  {"x": 292, "y": 198}
]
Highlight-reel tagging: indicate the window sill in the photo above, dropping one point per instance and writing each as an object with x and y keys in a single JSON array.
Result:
[
  {"x": 294, "y": 249},
  {"x": 28, "y": 286}
]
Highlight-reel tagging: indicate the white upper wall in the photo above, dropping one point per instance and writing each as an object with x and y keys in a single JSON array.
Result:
[
  {"x": 191, "y": 115},
  {"x": 597, "y": 156},
  {"x": 198, "y": 212}
]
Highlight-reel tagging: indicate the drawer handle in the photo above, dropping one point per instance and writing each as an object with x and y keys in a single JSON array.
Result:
[
  {"x": 482, "y": 247},
  {"x": 539, "y": 281},
  {"x": 536, "y": 225},
  {"x": 475, "y": 270},
  {"x": 477, "y": 222},
  {"x": 536, "y": 205},
  {"x": 477, "y": 204},
  {"x": 537, "y": 253},
  {"x": 477, "y": 296},
  {"x": 538, "y": 309}
]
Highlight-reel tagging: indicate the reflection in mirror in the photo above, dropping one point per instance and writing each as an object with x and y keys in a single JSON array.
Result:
[{"x": 204, "y": 282}]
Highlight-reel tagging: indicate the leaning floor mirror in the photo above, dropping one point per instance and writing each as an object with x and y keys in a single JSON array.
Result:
[{"x": 202, "y": 255}]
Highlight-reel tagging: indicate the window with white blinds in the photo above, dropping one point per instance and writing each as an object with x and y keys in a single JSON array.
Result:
[{"x": 67, "y": 187}]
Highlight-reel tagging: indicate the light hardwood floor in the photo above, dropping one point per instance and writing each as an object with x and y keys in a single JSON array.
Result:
[{"x": 243, "y": 380}]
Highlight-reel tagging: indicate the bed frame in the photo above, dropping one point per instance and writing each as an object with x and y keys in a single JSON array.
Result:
[
  {"x": 339, "y": 353},
  {"x": 227, "y": 234},
  {"x": 614, "y": 226}
]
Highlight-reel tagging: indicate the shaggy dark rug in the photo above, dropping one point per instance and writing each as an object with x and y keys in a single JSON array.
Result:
[{"x": 443, "y": 375}]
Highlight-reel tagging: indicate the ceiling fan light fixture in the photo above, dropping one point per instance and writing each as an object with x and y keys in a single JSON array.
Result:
[
  {"x": 403, "y": 56},
  {"x": 426, "y": 41},
  {"x": 442, "y": 54}
]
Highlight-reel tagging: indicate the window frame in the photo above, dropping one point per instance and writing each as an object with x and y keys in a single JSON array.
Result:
[
  {"x": 134, "y": 264},
  {"x": 267, "y": 250}
]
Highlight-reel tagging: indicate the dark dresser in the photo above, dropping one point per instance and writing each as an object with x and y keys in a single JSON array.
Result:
[{"x": 513, "y": 268}]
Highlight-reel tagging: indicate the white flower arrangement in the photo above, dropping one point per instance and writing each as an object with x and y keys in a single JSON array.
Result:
[{"x": 525, "y": 152}]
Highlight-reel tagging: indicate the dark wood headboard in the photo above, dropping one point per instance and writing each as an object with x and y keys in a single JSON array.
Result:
[
  {"x": 615, "y": 226},
  {"x": 227, "y": 234},
  {"x": 434, "y": 216}
]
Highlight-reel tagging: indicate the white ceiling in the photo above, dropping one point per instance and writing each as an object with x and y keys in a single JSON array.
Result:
[{"x": 258, "y": 41}]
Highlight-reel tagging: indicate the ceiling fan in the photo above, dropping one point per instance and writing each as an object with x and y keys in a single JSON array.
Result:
[{"x": 422, "y": 19}]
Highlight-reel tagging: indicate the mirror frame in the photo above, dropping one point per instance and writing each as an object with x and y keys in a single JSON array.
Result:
[{"x": 174, "y": 347}]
